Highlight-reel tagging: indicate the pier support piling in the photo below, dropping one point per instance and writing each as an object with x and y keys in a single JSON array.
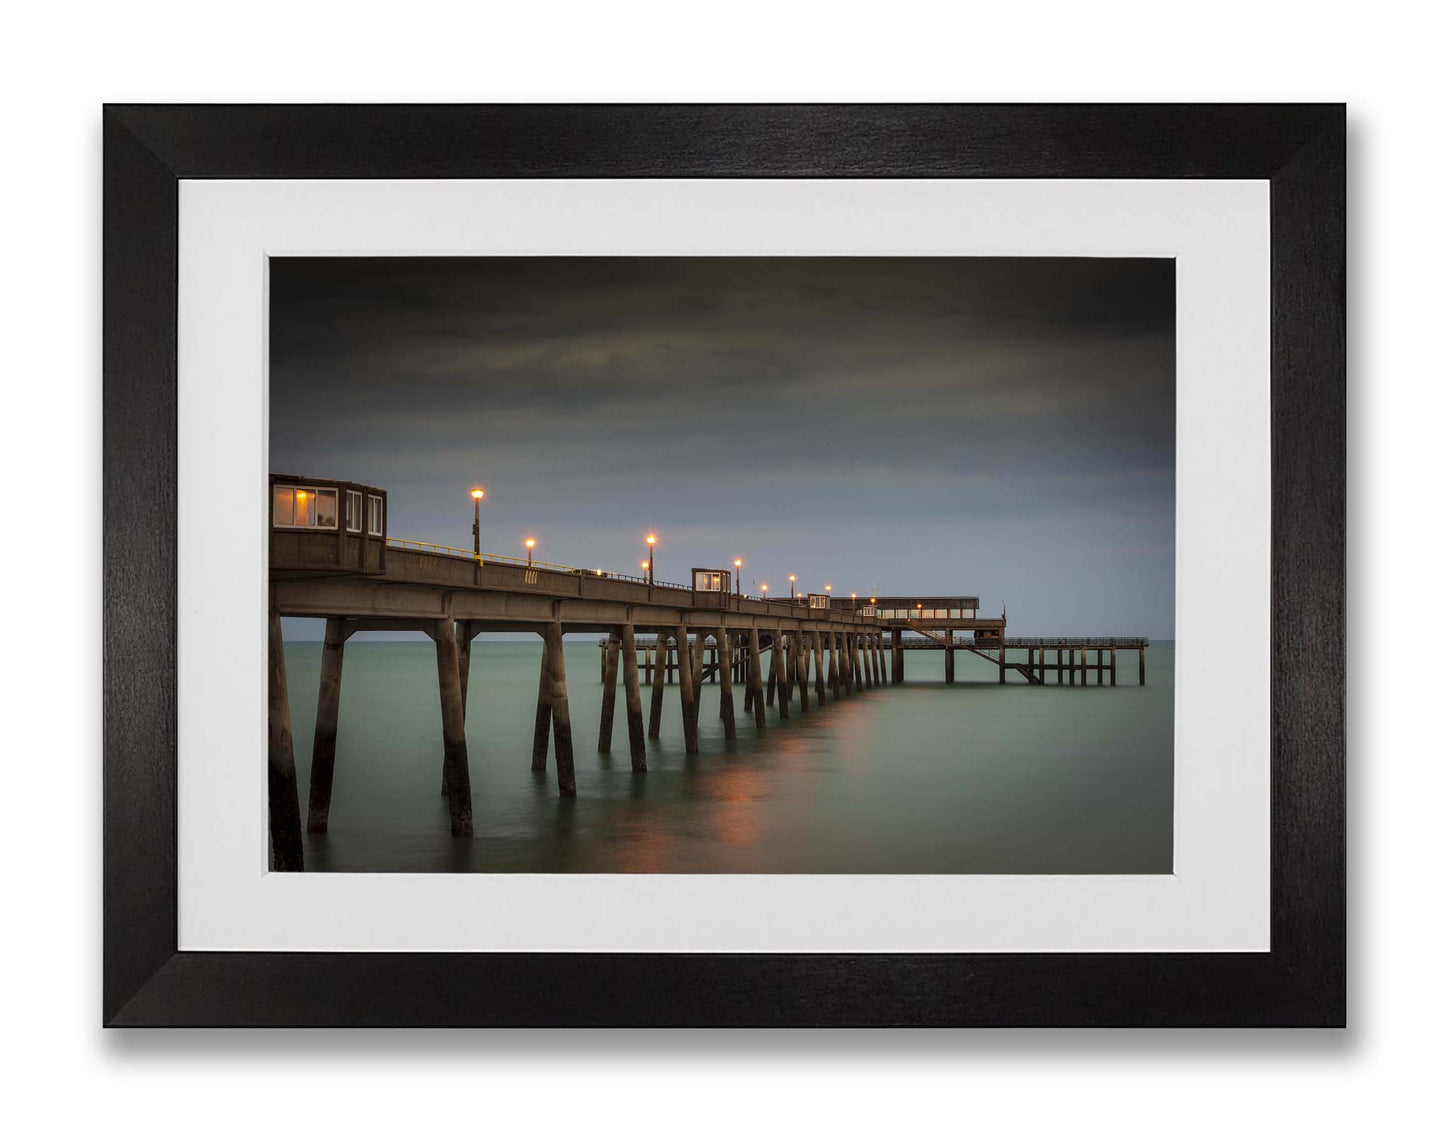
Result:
[
  {"x": 725, "y": 687},
  {"x": 323, "y": 746},
  {"x": 835, "y": 682},
  {"x": 454, "y": 729},
  {"x": 855, "y": 662},
  {"x": 282, "y": 801},
  {"x": 561, "y": 712},
  {"x": 897, "y": 657},
  {"x": 633, "y": 692},
  {"x": 654, "y": 715},
  {"x": 685, "y": 691},
  {"x": 609, "y": 693},
  {"x": 866, "y": 659},
  {"x": 773, "y": 670},
  {"x": 542, "y": 728},
  {"x": 820, "y": 694},
  {"x": 785, "y": 689},
  {"x": 755, "y": 679},
  {"x": 1141, "y": 666},
  {"x": 800, "y": 667}
]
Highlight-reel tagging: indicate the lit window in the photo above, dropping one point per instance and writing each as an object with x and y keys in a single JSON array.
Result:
[
  {"x": 374, "y": 515},
  {"x": 283, "y": 506},
  {"x": 353, "y": 511},
  {"x": 325, "y": 508}
]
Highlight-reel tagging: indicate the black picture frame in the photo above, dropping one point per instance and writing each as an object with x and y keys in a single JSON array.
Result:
[{"x": 1299, "y": 149}]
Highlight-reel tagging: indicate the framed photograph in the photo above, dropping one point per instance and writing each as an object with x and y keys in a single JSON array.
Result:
[{"x": 948, "y": 499}]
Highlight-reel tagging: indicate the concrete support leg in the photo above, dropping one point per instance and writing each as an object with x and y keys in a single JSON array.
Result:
[
  {"x": 1113, "y": 668},
  {"x": 725, "y": 688},
  {"x": 285, "y": 806},
  {"x": 948, "y": 665},
  {"x": 633, "y": 692},
  {"x": 1141, "y": 666},
  {"x": 685, "y": 691},
  {"x": 897, "y": 658},
  {"x": 800, "y": 667},
  {"x": 323, "y": 746},
  {"x": 855, "y": 660},
  {"x": 866, "y": 659},
  {"x": 542, "y": 729},
  {"x": 877, "y": 644},
  {"x": 755, "y": 679},
  {"x": 454, "y": 729},
  {"x": 834, "y": 681},
  {"x": 747, "y": 659},
  {"x": 820, "y": 693},
  {"x": 561, "y": 712},
  {"x": 654, "y": 715},
  {"x": 780, "y": 663},
  {"x": 773, "y": 671},
  {"x": 609, "y": 693}
]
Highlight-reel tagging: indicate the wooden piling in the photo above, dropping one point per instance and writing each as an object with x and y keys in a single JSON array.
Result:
[
  {"x": 785, "y": 692},
  {"x": 561, "y": 713},
  {"x": 855, "y": 661},
  {"x": 1141, "y": 666},
  {"x": 633, "y": 693},
  {"x": 1113, "y": 667},
  {"x": 725, "y": 688},
  {"x": 755, "y": 678},
  {"x": 323, "y": 746},
  {"x": 800, "y": 667},
  {"x": 542, "y": 728},
  {"x": 820, "y": 694},
  {"x": 948, "y": 665},
  {"x": 282, "y": 801},
  {"x": 654, "y": 716},
  {"x": 609, "y": 693},
  {"x": 686, "y": 693},
  {"x": 897, "y": 671},
  {"x": 454, "y": 728},
  {"x": 866, "y": 658},
  {"x": 773, "y": 671},
  {"x": 748, "y": 653},
  {"x": 878, "y": 678},
  {"x": 834, "y": 681}
]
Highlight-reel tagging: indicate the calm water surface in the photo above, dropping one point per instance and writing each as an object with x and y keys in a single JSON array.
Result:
[{"x": 919, "y": 778}]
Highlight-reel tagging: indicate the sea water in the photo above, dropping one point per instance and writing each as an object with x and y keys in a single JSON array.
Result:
[{"x": 923, "y": 777}]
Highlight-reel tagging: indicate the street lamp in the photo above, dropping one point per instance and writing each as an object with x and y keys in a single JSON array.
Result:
[
  {"x": 530, "y": 545},
  {"x": 651, "y": 542},
  {"x": 477, "y": 494},
  {"x": 792, "y": 594},
  {"x": 647, "y": 572},
  {"x": 828, "y": 590},
  {"x": 765, "y": 590},
  {"x": 738, "y": 577}
]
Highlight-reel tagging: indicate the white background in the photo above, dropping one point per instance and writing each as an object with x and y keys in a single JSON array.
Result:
[
  {"x": 1217, "y": 895},
  {"x": 61, "y": 62}
]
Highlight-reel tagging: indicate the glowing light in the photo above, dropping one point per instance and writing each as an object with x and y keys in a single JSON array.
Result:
[
  {"x": 792, "y": 579},
  {"x": 737, "y": 563},
  {"x": 651, "y": 540},
  {"x": 478, "y": 493},
  {"x": 530, "y": 543}
]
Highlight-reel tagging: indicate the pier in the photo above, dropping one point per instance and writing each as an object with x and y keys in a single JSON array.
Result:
[{"x": 332, "y": 558}]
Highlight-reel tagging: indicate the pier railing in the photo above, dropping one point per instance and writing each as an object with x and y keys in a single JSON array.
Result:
[{"x": 724, "y": 600}]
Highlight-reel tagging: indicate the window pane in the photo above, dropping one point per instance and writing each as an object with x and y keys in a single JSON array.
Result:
[
  {"x": 374, "y": 515},
  {"x": 305, "y": 508},
  {"x": 353, "y": 511},
  {"x": 281, "y": 502},
  {"x": 326, "y": 508}
]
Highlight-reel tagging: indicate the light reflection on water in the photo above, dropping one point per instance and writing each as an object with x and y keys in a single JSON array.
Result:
[{"x": 919, "y": 778}]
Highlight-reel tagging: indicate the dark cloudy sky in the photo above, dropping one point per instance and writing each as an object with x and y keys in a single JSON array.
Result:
[{"x": 998, "y": 427}]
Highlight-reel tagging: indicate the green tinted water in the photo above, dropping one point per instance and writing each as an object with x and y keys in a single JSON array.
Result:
[{"x": 924, "y": 777}]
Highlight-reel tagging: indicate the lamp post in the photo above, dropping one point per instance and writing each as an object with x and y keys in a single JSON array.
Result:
[
  {"x": 647, "y": 571},
  {"x": 477, "y": 494},
  {"x": 651, "y": 542},
  {"x": 792, "y": 594},
  {"x": 828, "y": 591},
  {"x": 854, "y": 596},
  {"x": 738, "y": 577},
  {"x": 765, "y": 590},
  {"x": 530, "y": 543}
]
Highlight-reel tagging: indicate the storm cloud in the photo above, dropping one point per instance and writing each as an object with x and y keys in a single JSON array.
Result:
[{"x": 998, "y": 427}]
